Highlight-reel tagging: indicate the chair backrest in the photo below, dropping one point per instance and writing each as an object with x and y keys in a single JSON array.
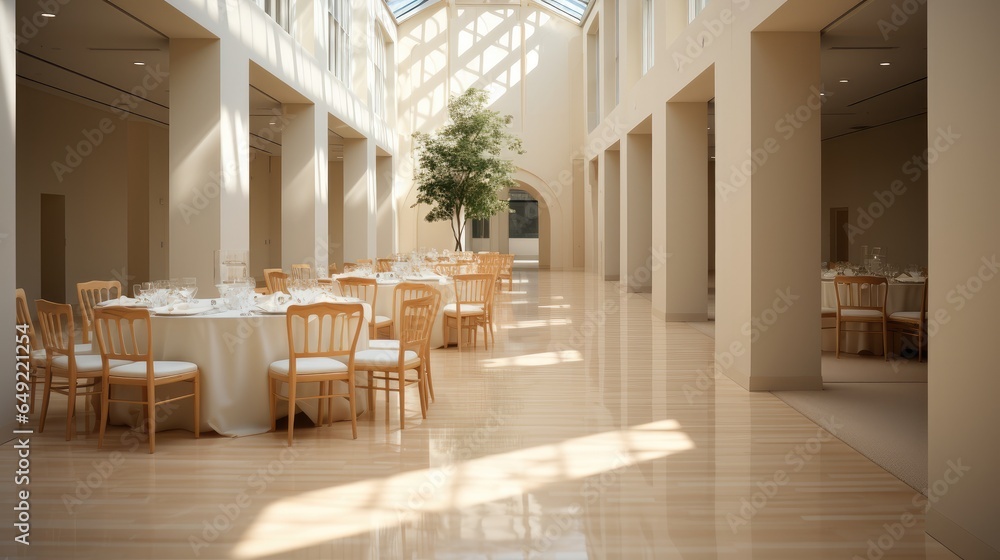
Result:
[
  {"x": 125, "y": 333},
  {"x": 267, "y": 280},
  {"x": 23, "y": 317},
  {"x": 416, "y": 318},
  {"x": 365, "y": 289},
  {"x": 861, "y": 292},
  {"x": 302, "y": 272},
  {"x": 406, "y": 291},
  {"x": 507, "y": 265},
  {"x": 324, "y": 330},
  {"x": 473, "y": 288},
  {"x": 55, "y": 321},
  {"x": 490, "y": 263},
  {"x": 89, "y": 295},
  {"x": 923, "y": 302},
  {"x": 384, "y": 265},
  {"x": 364, "y": 262},
  {"x": 332, "y": 269},
  {"x": 277, "y": 281}
]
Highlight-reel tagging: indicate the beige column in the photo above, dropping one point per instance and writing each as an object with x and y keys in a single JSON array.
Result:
[
  {"x": 360, "y": 220},
  {"x": 610, "y": 217},
  {"x": 209, "y": 156},
  {"x": 962, "y": 122},
  {"x": 336, "y": 213},
  {"x": 8, "y": 206},
  {"x": 304, "y": 187},
  {"x": 768, "y": 205},
  {"x": 680, "y": 208},
  {"x": 636, "y": 214},
  {"x": 385, "y": 219}
]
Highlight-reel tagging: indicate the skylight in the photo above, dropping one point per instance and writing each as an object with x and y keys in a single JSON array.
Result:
[{"x": 573, "y": 9}]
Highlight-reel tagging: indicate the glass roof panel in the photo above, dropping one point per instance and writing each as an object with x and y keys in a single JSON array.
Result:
[{"x": 574, "y": 9}]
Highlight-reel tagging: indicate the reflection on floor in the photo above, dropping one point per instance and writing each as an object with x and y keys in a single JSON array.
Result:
[{"x": 590, "y": 431}]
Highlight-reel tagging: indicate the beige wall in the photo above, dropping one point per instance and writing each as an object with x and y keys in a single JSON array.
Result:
[
  {"x": 8, "y": 208},
  {"x": 437, "y": 59},
  {"x": 965, "y": 291},
  {"x": 872, "y": 173}
]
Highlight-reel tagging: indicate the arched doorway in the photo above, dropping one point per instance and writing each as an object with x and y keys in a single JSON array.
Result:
[{"x": 526, "y": 232}]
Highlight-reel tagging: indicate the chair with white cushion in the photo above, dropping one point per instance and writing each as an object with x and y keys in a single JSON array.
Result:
[
  {"x": 36, "y": 362},
  {"x": 389, "y": 365},
  {"x": 124, "y": 336},
  {"x": 471, "y": 310},
  {"x": 366, "y": 289},
  {"x": 861, "y": 299},
  {"x": 322, "y": 341},
  {"x": 89, "y": 295},
  {"x": 912, "y": 323},
  {"x": 80, "y": 372}
]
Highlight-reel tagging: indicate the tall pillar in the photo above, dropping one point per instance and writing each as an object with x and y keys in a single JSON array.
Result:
[
  {"x": 768, "y": 204},
  {"x": 360, "y": 217},
  {"x": 386, "y": 242},
  {"x": 209, "y": 156},
  {"x": 610, "y": 218},
  {"x": 637, "y": 214},
  {"x": 964, "y": 296},
  {"x": 304, "y": 187},
  {"x": 680, "y": 173},
  {"x": 8, "y": 203}
]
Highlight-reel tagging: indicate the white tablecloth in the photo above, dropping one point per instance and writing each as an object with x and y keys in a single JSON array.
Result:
[
  {"x": 233, "y": 353},
  {"x": 900, "y": 297}
]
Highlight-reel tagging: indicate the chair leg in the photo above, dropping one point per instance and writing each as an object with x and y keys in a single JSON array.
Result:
[
  {"x": 71, "y": 408},
  {"x": 885, "y": 341},
  {"x": 371, "y": 392},
  {"x": 46, "y": 391},
  {"x": 105, "y": 402},
  {"x": 350, "y": 401},
  {"x": 838, "y": 339},
  {"x": 422, "y": 388},
  {"x": 291, "y": 410},
  {"x": 151, "y": 418},
  {"x": 272, "y": 389},
  {"x": 401, "y": 385},
  {"x": 197, "y": 405},
  {"x": 427, "y": 371}
]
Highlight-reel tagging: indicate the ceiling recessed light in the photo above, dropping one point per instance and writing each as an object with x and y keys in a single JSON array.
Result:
[
  {"x": 139, "y": 63},
  {"x": 844, "y": 81},
  {"x": 885, "y": 64},
  {"x": 48, "y": 14},
  {"x": 822, "y": 94}
]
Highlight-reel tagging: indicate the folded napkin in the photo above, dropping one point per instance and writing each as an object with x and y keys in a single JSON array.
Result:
[
  {"x": 907, "y": 277},
  {"x": 830, "y": 274},
  {"x": 181, "y": 308},
  {"x": 122, "y": 301}
]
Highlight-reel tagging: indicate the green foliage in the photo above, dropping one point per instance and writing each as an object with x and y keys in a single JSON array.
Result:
[{"x": 462, "y": 167}]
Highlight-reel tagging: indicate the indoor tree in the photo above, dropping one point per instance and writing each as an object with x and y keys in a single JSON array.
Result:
[{"x": 461, "y": 168}]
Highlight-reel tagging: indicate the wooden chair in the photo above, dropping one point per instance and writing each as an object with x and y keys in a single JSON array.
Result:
[
  {"x": 506, "y": 271},
  {"x": 350, "y": 267},
  {"x": 861, "y": 299},
  {"x": 406, "y": 291},
  {"x": 473, "y": 294},
  {"x": 277, "y": 281},
  {"x": 267, "y": 280},
  {"x": 322, "y": 342},
  {"x": 89, "y": 294},
  {"x": 912, "y": 323},
  {"x": 366, "y": 289},
  {"x": 125, "y": 337},
  {"x": 448, "y": 269},
  {"x": 364, "y": 262},
  {"x": 56, "y": 323},
  {"x": 332, "y": 269},
  {"x": 383, "y": 265},
  {"x": 416, "y": 317},
  {"x": 37, "y": 360},
  {"x": 302, "y": 272}
]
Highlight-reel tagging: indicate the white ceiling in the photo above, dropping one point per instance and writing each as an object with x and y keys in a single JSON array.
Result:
[{"x": 87, "y": 53}]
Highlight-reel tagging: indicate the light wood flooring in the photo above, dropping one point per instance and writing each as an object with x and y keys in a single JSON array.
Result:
[{"x": 591, "y": 430}]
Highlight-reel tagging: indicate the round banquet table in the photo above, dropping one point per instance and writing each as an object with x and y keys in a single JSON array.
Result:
[
  {"x": 901, "y": 296},
  {"x": 233, "y": 353}
]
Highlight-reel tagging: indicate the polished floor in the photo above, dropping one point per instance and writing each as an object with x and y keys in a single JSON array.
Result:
[{"x": 591, "y": 430}]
